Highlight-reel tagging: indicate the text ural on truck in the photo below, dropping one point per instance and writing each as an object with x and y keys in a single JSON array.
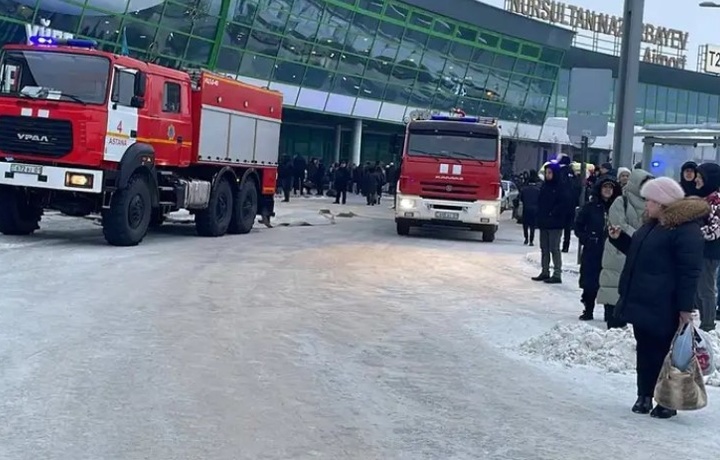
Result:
[
  {"x": 89, "y": 132},
  {"x": 450, "y": 174}
]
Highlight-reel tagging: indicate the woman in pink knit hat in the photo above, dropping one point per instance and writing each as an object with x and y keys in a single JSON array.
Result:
[{"x": 659, "y": 280}]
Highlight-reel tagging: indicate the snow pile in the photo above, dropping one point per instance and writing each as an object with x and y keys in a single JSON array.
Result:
[
  {"x": 714, "y": 379},
  {"x": 613, "y": 351},
  {"x": 581, "y": 343}
]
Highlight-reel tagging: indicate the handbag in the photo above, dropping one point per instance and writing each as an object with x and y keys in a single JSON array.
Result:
[{"x": 681, "y": 390}]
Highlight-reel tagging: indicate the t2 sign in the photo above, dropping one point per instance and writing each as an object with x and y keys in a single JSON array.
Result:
[{"x": 712, "y": 59}]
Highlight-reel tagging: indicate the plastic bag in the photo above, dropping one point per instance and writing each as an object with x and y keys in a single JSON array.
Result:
[
  {"x": 683, "y": 348},
  {"x": 704, "y": 352}
]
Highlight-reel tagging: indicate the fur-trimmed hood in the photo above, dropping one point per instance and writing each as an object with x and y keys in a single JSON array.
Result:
[{"x": 683, "y": 211}]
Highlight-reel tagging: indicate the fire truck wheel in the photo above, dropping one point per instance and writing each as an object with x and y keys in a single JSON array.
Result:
[
  {"x": 403, "y": 228},
  {"x": 17, "y": 216},
  {"x": 488, "y": 236},
  {"x": 126, "y": 222},
  {"x": 215, "y": 219},
  {"x": 245, "y": 209}
]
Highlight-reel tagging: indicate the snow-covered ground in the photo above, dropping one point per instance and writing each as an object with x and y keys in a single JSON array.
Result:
[{"x": 339, "y": 341}]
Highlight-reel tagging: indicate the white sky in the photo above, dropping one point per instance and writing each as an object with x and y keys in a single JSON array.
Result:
[{"x": 684, "y": 15}]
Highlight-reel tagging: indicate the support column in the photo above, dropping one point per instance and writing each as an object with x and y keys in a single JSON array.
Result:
[
  {"x": 627, "y": 83},
  {"x": 338, "y": 142},
  {"x": 357, "y": 141},
  {"x": 647, "y": 156}
]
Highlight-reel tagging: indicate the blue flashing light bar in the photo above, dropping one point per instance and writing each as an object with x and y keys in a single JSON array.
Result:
[
  {"x": 52, "y": 41},
  {"x": 448, "y": 118}
]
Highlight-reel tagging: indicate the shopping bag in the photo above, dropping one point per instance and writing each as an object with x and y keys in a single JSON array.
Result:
[
  {"x": 704, "y": 352},
  {"x": 681, "y": 390},
  {"x": 683, "y": 346}
]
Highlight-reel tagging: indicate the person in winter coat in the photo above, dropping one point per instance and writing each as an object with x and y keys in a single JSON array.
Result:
[
  {"x": 286, "y": 174},
  {"x": 623, "y": 176},
  {"x": 591, "y": 230},
  {"x": 659, "y": 280},
  {"x": 627, "y": 213},
  {"x": 371, "y": 179},
  {"x": 573, "y": 191},
  {"x": 342, "y": 181},
  {"x": 530, "y": 197},
  {"x": 299, "y": 165},
  {"x": 551, "y": 216},
  {"x": 708, "y": 184},
  {"x": 688, "y": 173}
]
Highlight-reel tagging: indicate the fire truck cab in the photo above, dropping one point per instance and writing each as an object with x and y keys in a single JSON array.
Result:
[
  {"x": 450, "y": 175},
  {"x": 86, "y": 132}
]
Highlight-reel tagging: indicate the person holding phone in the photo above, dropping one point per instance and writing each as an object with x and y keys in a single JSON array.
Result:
[{"x": 660, "y": 278}]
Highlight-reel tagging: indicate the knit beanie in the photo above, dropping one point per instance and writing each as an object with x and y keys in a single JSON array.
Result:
[
  {"x": 662, "y": 190},
  {"x": 623, "y": 170}
]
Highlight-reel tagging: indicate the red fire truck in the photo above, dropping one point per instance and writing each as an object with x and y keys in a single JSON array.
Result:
[
  {"x": 450, "y": 174},
  {"x": 87, "y": 132}
]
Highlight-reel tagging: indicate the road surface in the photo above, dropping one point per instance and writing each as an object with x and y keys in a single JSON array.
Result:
[{"x": 339, "y": 341}]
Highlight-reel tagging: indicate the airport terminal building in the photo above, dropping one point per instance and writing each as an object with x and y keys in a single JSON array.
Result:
[{"x": 352, "y": 71}]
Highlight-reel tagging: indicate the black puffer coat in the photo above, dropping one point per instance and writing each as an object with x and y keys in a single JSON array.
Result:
[
  {"x": 664, "y": 260},
  {"x": 591, "y": 230},
  {"x": 552, "y": 205}
]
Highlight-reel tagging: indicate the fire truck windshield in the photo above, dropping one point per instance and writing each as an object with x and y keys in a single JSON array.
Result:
[
  {"x": 77, "y": 78},
  {"x": 468, "y": 146}
]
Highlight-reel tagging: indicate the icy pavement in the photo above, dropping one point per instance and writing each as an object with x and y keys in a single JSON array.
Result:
[{"x": 336, "y": 341}]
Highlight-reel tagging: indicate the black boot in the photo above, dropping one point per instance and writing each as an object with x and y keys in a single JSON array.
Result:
[
  {"x": 607, "y": 317},
  {"x": 662, "y": 412},
  {"x": 643, "y": 405},
  {"x": 587, "y": 315},
  {"x": 526, "y": 242},
  {"x": 541, "y": 277},
  {"x": 555, "y": 279}
]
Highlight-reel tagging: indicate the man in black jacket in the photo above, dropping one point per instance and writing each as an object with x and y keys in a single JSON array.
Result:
[
  {"x": 551, "y": 216},
  {"x": 341, "y": 183},
  {"x": 530, "y": 197}
]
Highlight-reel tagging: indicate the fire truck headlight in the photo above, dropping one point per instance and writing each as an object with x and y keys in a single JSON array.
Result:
[
  {"x": 407, "y": 203},
  {"x": 78, "y": 180},
  {"x": 488, "y": 210}
]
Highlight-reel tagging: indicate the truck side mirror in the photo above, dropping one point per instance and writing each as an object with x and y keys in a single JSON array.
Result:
[
  {"x": 140, "y": 84},
  {"x": 138, "y": 99}
]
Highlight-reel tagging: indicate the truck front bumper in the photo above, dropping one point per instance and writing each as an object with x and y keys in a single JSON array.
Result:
[
  {"x": 51, "y": 177},
  {"x": 417, "y": 211}
]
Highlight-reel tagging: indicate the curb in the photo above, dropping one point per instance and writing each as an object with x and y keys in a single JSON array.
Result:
[{"x": 534, "y": 259}]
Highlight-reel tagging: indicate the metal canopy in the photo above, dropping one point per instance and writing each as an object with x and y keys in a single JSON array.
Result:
[{"x": 666, "y": 147}]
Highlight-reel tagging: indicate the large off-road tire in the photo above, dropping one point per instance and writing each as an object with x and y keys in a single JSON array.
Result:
[
  {"x": 403, "y": 228},
  {"x": 245, "y": 209},
  {"x": 488, "y": 236},
  {"x": 17, "y": 215},
  {"x": 127, "y": 221},
  {"x": 215, "y": 219}
]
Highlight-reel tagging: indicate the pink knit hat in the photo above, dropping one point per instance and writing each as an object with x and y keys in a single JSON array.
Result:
[{"x": 662, "y": 190}]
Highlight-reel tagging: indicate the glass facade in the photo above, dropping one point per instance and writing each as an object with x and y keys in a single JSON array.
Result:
[
  {"x": 655, "y": 104},
  {"x": 352, "y": 56}
]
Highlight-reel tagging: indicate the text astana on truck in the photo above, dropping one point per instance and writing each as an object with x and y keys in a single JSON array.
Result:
[
  {"x": 450, "y": 174},
  {"x": 199, "y": 141}
]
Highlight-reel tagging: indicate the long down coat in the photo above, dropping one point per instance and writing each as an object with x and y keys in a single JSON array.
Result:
[
  {"x": 664, "y": 261},
  {"x": 627, "y": 213},
  {"x": 591, "y": 230}
]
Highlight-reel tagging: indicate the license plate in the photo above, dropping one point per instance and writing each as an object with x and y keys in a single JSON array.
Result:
[
  {"x": 26, "y": 169},
  {"x": 447, "y": 215}
]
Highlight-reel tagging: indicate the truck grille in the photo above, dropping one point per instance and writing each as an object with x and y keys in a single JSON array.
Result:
[
  {"x": 35, "y": 136},
  {"x": 450, "y": 191}
]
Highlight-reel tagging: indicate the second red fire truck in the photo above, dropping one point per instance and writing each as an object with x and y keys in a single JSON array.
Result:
[
  {"x": 450, "y": 174},
  {"x": 88, "y": 132}
]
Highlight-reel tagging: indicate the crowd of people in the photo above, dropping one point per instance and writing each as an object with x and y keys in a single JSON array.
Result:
[
  {"x": 298, "y": 176},
  {"x": 650, "y": 250}
]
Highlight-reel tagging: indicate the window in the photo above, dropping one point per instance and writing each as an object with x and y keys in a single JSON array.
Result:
[
  {"x": 453, "y": 144},
  {"x": 171, "y": 97},
  {"x": 124, "y": 87}
]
